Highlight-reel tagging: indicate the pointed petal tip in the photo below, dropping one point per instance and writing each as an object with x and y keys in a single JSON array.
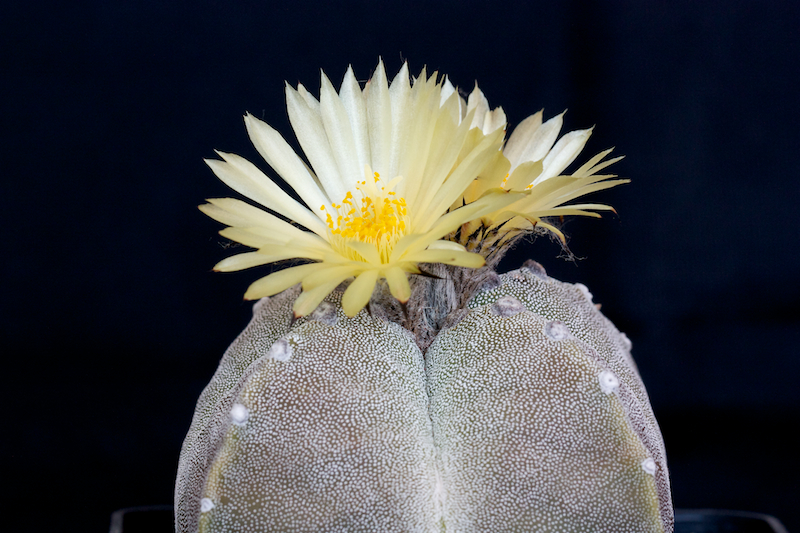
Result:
[{"x": 324, "y": 80}]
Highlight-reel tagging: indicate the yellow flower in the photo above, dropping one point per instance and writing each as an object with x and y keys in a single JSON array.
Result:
[
  {"x": 387, "y": 166},
  {"x": 533, "y": 161}
]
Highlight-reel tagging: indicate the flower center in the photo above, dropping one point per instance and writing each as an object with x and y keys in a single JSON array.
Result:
[{"x": 378, "y": 217}]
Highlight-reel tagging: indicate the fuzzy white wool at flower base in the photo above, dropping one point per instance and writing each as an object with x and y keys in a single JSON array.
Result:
[{"x": 390, "y": 379}]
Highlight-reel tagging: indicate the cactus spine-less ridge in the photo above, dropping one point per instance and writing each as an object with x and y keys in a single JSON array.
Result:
[{"x": 489, "y": 403}]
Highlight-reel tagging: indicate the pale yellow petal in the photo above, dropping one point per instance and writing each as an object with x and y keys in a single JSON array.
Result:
[
  {"x": 448, "y": 142},
  {"x": 589, "y": 168},
  {"x": 335, "y": 271},
  {"x": 357, "y": 295},
  {"x": 447, "y": 90},
  {"x": 400, "y": 93},
  {"x": 420, "y": 139},
  {"x": 253, "y": 240},
  {"x": 597, "y": 168},
  {"x": 245, "y": 178},
  {"x": 309, "y": 99},
  {"x": 491, "y": 177},
  {"x": 563, "y": 153},
  {"x": 282, "y": 158},
  {"x": 598, "y": 207},
  {"x": 536, "y": 214},
  {"x": 540, "y": 141},
  {"x": 355, "y": 107},
  {"x": 397, "y": 279},
  {"x": 242, "y": 262},
  {"x": 461, "y": 177},
  {"x": 257, "y": 237},
  {"x": 237, "y": 213},
  {"x": 585, "y": 189},
  {"x": 253, "y": 259},
  {"x": 524, "y": 175},
  {"x": 311, "y": 135},
  {"x": 448, "y": 257},
  {"x": 518, "y": 141},
  {"x": 281, "y": 280},
  {"x": 367, "y": 250},
  {"x": 414, "y": 240},
  {"x": 379, "y": 114},
  {"x": 477, "y": 101},
  {"x": 309, "y": 300},
  {"x": 339, "y": 132},
  {"x": 451, "y": 105},
  {"x": 495, "y": 119},
  {"x": 446, "y": 245},
  {"x": 491, "y": 201}
]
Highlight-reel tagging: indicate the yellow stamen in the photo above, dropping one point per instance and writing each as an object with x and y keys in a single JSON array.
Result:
[{"x": 377, "y": 220}]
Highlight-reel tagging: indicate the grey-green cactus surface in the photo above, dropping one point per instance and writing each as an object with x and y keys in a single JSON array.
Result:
[{"x": 524, "y": 412}]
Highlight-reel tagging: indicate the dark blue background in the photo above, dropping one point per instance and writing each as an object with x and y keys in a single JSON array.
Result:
[{"x": 112, "y": 322}]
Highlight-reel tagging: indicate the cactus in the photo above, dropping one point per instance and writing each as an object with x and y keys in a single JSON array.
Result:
[
  {"x": 526, "y": 413},
  {"x": 372, "y": 393}
]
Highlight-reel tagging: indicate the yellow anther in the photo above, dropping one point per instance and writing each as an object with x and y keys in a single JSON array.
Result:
[{"x": 374, "y": 219}]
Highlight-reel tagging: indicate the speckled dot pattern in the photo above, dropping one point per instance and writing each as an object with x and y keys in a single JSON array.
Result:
[
  {"x": 338, "y": 437},
  {"x": 271, "y": 319},
  {"x": 527, "y": 414},
  {"x": 572, "y": 306}
]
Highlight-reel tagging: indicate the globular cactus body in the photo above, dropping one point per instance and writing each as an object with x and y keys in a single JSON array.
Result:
[{"x": 526, "y": 413}]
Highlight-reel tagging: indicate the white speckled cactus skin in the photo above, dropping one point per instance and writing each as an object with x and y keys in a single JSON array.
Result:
[{"x": 526, "y": 413}]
